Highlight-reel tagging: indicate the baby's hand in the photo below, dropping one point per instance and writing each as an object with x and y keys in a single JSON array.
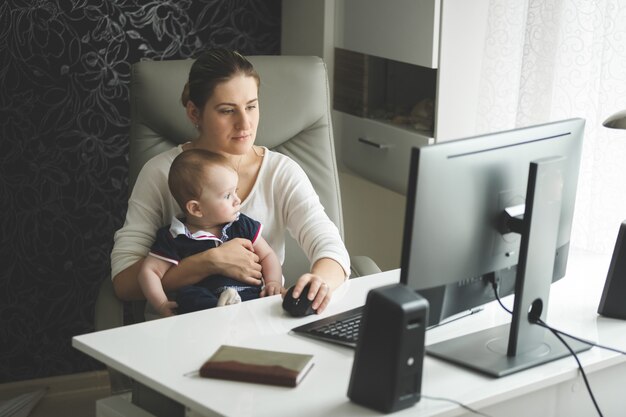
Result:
[
  {"x": 167, "y": 309},
  {"x": 271, "y": 288}
]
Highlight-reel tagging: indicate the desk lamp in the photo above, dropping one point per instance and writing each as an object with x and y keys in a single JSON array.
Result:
[
  {"x": 612, "y": 300},
  {"x": 616, "y": 121}
]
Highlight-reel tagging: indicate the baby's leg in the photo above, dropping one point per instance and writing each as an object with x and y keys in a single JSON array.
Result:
[
  {"x": 194, "y": 298},
  {"x": 251, "y": 293},
  {"x": 228, "y": 296}
]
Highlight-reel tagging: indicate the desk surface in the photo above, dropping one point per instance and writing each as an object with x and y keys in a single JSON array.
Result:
[{"x": 166, "y": 354}]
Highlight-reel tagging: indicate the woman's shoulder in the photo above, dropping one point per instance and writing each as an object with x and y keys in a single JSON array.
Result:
[
  {"x": 163, "y": 160},
  {"x": 277, "y": 160},
  {"x": 281, "y": 171}
]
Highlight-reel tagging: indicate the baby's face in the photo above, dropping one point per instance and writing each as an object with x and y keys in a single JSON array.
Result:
[{"x": 219, "y": 201}]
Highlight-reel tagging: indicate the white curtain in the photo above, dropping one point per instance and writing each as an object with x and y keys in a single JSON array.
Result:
[{"x": 547, "y": 60}]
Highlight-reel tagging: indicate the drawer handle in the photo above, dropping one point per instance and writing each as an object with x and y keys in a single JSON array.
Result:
[{"x": 374, "y": 144}]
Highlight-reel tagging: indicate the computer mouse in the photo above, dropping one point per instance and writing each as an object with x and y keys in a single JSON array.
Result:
[{"x": 298, "y": 307}]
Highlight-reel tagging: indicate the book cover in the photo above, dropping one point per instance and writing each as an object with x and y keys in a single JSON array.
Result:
[{"x": 256, "y": 365}]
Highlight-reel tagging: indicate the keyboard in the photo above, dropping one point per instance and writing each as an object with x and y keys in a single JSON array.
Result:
[{"x": 341, "y": 328}]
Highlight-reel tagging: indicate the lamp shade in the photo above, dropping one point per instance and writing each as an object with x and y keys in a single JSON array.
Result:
[{"x": 616, "y": 121}]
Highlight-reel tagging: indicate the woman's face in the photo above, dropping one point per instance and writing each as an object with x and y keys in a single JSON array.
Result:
[{"x": 229, "y": 120}]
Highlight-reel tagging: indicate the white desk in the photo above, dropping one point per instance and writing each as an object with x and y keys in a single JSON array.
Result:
[{"x": 165, "y": 355}]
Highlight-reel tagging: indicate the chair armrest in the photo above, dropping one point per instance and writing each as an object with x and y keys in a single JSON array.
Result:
[
  {"x": 109, "y": 311},
  {"x": 362, "y": 265}
]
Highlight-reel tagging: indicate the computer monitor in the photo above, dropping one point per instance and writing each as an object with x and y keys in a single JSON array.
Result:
[{"x": 481, "y": 207}]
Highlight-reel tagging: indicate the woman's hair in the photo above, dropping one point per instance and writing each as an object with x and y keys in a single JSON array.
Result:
[
  {"x": 211, "y": 68},
  {"x": 187, "y": 176}
]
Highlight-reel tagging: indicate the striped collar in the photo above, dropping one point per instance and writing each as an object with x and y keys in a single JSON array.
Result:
[{"x": 178, "y": 228}]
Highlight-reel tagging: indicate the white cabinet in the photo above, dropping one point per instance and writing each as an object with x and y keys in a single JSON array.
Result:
[
  {"x": 378, "y": 151},
  {"x": 429, "y": 48},
  {"x": 430, "y": 51},
  {"x": 386, "y": 28},
  {"x": 461, "y": 47}
]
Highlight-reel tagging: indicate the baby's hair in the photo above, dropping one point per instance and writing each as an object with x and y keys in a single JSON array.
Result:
[{"x": 187, "y": 175}]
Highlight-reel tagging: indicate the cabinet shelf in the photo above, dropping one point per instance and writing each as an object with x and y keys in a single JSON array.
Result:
[
  {"x": 385, "y": 90},
  {"x": 379, "y": 151}
]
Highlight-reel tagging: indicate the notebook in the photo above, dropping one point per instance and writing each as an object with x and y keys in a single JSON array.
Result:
[{"x": 256, "y": 365}]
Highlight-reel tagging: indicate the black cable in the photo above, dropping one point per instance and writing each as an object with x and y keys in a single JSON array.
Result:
[
  {"x": 455, "y": 318},
  {"x": 494, "y": 285},
  {"x": 571, "y": 336},
  {"x": 585, "y": 341},
  {"x": 460, "y": 404},
  {"x": 541, "y": 323}
]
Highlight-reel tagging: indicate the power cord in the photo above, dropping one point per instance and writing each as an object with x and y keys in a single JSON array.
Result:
[
  {"x": 457, "y": 317},
  {"x": 494, "y": 285},
  {"x": 580, "y": 339},
  {"x": 460, "y": 404},
  {"x": 539, "y": 322}
]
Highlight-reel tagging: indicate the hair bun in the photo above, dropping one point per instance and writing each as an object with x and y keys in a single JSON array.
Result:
[{"x": 184, "y": 97}]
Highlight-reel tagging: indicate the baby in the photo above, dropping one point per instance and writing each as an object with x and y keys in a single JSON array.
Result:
[{"x": 204, "y": 184}]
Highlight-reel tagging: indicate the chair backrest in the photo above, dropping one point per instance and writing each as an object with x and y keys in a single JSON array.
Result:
[{"x": 295, "y": 120}]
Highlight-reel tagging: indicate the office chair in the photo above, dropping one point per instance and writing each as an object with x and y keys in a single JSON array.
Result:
[{"x": 295, "y": 120}]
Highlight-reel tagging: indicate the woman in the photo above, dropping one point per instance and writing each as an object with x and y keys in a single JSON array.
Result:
[{"x": 221, "y": 100}]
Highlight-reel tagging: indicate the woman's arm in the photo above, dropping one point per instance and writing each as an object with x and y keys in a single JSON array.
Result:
[
  {"x": 332, "y": 273},
  {"x": 126, "y": 285},
  {"x": 235, "y": 259},
  {"x": 305, "y": 217},
  {"x": 150, "y": 207},
  {"x": 318, "y": 236}
]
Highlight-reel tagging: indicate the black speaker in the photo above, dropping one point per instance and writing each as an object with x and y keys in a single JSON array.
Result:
[
  {"x": 613, "y": 301},
  {"x": 387, "y": 369}
]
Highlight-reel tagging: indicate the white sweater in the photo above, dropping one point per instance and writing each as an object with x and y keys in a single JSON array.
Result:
[{"x": 282, "y": 199}]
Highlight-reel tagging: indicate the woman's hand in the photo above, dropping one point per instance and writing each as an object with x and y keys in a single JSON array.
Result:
[
  {"x": 271, "y": 288},
  {"x": 319, "y": 292},
  {"x": 325, "y": 277},
  {"x": 235, "y": 259}
]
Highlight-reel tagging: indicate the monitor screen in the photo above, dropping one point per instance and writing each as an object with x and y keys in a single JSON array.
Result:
[{"x": 469, "y": 208}]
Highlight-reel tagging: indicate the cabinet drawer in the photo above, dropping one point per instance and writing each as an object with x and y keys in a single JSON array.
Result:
[
  {"x": 378, "y": 151},
  {"x": 401, "y": 30}
]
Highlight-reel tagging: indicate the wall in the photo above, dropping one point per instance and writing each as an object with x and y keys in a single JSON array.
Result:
[
  {"x": 64, "y": 117},
  {"x": 308, "y": 28},
  {"x": 373, "y": 219}
]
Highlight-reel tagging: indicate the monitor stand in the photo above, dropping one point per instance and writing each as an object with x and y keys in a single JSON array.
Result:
[{"x": 513, "y": 347}]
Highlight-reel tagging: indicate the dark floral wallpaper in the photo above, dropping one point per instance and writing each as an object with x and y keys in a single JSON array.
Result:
[{"x": 64, "y": 117}]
